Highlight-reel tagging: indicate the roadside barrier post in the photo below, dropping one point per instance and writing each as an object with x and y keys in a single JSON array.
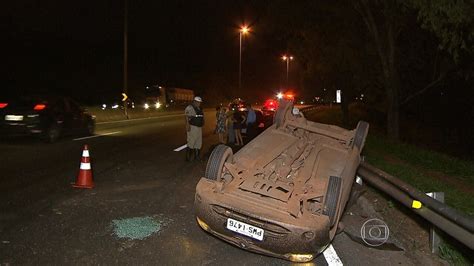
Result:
[{"x": 435, "y": 239}]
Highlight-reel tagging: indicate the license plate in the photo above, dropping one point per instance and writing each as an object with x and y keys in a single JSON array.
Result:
[
  {"x": 245, "y": 229},
  {"x": 14, "y": 118}
]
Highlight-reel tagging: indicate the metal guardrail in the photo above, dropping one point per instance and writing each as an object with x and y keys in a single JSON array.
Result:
[
  {"x": 451, "y": 221},
  {"x": 308, "y": 108}
]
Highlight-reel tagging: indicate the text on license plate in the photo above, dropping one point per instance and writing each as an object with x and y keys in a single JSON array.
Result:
[
  {"x": 245, "y": 229},
  {"x": 14, "y": 118}
]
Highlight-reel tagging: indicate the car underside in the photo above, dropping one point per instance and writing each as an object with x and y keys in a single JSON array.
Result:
[{"x": 283, "y": 193}]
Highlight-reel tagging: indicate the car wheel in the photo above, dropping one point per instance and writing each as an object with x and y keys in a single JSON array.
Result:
[
  {"x": 279, "y": 118},
  {"x": 215, "y": 164},
  {"x": 52, "y": 133},
  {"x": 91, "y": 127},
  {"x": 332, "y": 199},
  {"x": 360, "y": 135}
]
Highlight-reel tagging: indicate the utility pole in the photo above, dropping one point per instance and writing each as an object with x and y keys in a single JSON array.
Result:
[
  {"x": 125, "y": 56},
  {"x": 287, "y": 58}
]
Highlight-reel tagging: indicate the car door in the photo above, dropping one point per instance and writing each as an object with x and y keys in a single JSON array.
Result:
[
  {"x": 68, "y": 118},
  {"x": 77, "y": 116}
]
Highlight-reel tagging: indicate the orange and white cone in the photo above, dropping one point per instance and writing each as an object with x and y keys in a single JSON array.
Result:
[{"x": 84, "y": 178}]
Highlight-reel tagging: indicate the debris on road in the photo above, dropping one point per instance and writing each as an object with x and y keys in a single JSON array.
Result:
[{"x": 137, "y": 227}]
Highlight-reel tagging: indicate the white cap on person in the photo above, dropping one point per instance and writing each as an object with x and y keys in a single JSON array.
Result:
[{"x": 198, "y": 99}]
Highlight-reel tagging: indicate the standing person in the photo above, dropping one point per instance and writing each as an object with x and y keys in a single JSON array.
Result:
[
  {"x": 230, "y": 126},
  {"x": 221, "y": 118},
  {"x": 239, "y": 120},
  {"x": 194, "y": 117},
  {"x": 251, "y": 122}
]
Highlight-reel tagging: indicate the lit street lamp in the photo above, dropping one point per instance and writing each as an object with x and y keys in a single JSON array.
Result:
[
  {"x": 243, "y": 31},
  {"x": 287, "y": 58}
]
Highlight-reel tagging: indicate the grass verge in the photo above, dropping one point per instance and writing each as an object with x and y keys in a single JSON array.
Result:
[{"x": 426, "y": 170}]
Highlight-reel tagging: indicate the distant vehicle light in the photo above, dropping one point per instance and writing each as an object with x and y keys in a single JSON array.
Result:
[
  {"x": 242, "y": 109},
  {"x": 280, "y": 95},
  {"x": 146, "y": 106},
  {"x": 301, "y": 102},
  {"x": 115, "y": 106},
  {"x": 157, "y": 105},
  {"x": 13, "y": 118},
  {"x": 3, "y": 105},
  {"x": 39, "y": 107},
  {"x": 104, "y": 106},
  {"x": 271, "y": 104}
]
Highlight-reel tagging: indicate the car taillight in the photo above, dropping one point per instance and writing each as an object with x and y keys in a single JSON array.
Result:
[
  {"x": 39, "y": 107},
  {"x": 3, "y": 105}
]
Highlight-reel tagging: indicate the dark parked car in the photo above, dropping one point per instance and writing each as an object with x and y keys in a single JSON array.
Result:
[
  {"x": 44, "y": 116},
  {"x": 263, "y": 121},
  {"x": 238, "y": 105},
  {"x": 284, "y": 193}
]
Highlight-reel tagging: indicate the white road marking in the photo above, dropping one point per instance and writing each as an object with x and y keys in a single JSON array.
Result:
[
  {"x": 138, "y": 119},
  {"x": 99, "y": 135},
  {"x": 331, "y": 257},
  {"x": 181, "y": 148}
]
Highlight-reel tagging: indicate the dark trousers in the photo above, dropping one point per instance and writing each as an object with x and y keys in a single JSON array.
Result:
[{"x": 251, "y": 130}]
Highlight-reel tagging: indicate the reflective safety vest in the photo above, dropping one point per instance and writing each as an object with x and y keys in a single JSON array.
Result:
[{"x": 198, "y": 119}]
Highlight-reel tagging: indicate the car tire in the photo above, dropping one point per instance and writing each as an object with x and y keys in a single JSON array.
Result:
[
  {"x": 91, "y": 127},
  {"x": 332, "y": 199},
  {"x": 220, "y": 155},
  {"x": 280, "y": 115},
  {"x": 52, "y": 134},
  {"x": 279, "y": 118},
  {"x": 360, "y": 135}
]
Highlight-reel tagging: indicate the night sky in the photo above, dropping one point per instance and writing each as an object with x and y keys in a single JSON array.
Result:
[{"x": 77, "y": 47}]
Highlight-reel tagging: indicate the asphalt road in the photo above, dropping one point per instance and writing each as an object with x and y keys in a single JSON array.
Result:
[{"x": 43, "y": 220}]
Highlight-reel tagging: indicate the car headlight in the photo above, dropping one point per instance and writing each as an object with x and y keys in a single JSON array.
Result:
[
  {"x": 146, "y": 106},
  {"x": 202, "y": 224},
  {"x": 300, "y": 257}
]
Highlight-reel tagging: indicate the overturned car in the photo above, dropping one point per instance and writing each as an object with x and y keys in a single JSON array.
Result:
[{"x": 283, "y": 193}]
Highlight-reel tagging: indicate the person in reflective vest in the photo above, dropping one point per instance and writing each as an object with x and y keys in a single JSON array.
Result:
[{"x": 194, "y": 117}]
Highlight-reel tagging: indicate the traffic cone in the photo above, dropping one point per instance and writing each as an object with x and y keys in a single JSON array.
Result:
[{"x": 84, "y": 178}]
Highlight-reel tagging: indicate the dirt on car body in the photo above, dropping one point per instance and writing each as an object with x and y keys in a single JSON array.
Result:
[{"x": 283, "y": 193}]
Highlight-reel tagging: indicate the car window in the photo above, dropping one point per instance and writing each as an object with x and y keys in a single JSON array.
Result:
[
  {"x": 75, "y": 108},
  {"x": 58, "y": 107}
]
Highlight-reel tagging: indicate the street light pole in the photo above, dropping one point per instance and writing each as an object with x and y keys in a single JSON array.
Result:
[
  {"x": 240, "y": 60},
  {"x": 243, "y": 30}
]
